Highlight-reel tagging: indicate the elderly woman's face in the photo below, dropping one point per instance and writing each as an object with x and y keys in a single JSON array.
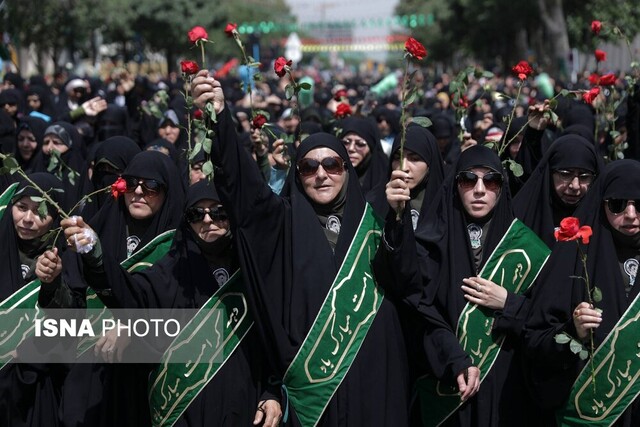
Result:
[
  {"x": 322, "y": 173},
  {"x": 52, "y": 142},
  {"x": 623, "y": 216},
  {"x": 208, "y": 220}
]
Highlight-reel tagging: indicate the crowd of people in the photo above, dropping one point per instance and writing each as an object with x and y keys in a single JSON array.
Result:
[{"x": 393, "y": 274}]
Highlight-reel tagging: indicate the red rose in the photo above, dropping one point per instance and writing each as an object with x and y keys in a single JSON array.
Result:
[
  {"x": 590, "y": 96},
  {"x": 197, "y": 33},
  {"x": 189, "y": 67},
  {"x": 608, "y": 80},
  {"x": 570, "y": 230},
  {"x": 522, "y": 70},
  {"x": 340, "y": 94},
  {"x": 280, "y": 66},
  {"x": 601, "y": 55},
  {"x": 258, "y": 121},
  {"x": 230, "y": 28},
  {"x": 197, "y": 115},
  {"x": 415, "y": 48},
  {"x": 596, "y": 26},
  {"x": 463, "y": 102},
  {"x": 343, "y": 110},
  {"x": 118, "y": 187},
  {"x": 594, "y": 79}
]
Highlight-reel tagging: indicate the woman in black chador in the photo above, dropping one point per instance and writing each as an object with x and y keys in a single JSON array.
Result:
[
  {"x": 560, "y": 303},
  {"x": 152, "y": 204},
  {"x": 290, "y": 251},
  {"x": 29, "y": 392},
  {"x": 559, "y": 182},
  {"x": 437, "y": 274},
  {"x": 200, "y": 261}
]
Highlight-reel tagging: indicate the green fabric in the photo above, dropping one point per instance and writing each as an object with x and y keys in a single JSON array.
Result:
[
  {"x": 616, "y": 366},
  {"x": 6, "y": 196},
  {"x": 142, "y": 259},
  {"x": 514, "y": 265},
  {"x": 208, "y": 341},
  {"x": 334, "y": 339},
  {"x": 15, "y": 328}
]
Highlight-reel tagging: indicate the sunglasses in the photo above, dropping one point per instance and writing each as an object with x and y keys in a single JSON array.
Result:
[
  {"x": 617, "y": 206},
  {"x": 567, "y": 176},
  {"x": 196, "y": 214},
  {"x": 492, "y": 181},
  {"x": 150, "y": 187},
  {"x": 331, "y": 165}
]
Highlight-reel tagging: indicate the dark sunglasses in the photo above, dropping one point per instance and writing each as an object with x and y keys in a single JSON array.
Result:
[
  {"x": 196, "y": 214},
  {"x": 331, "y": 165},
  {"x": 617, "y": 206},
  {"x": 150, "y": 187},
  {"x": 492, "y": 181}
]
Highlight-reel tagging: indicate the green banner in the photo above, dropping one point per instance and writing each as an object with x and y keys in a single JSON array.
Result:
[
  {"x": 342, "y": 323},
  {"x": 514, "y": 265},
  {"x": 14, "y": 328},
  {"x": 140, "y": 260},
  {"x": 208, "y": 340},
  {"x": 616, "y": 369},
  {"x": 6, "y": 196}
]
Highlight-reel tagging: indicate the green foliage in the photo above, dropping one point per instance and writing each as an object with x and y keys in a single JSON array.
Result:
[{"x": 159, "y": 25}]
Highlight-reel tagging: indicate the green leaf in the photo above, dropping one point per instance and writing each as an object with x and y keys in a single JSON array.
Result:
[
  {"x": 562, "y": 338},
  {"x": 196, "y": 149},
  {"x": 207, "y": 168},
  {"x": 4, "y": 170},
  {"x": 575, "y": 346},
  {"x": 584, "y": 355},
  {"x": 614, "y": 134},
  {"x": 53, "y": 164},
  {"x": 454, "y": 86},
  {"x": 553, "y": 104},
  {"x": 289, "y": 92},
  {"x": 596, "y": 294},
  {"x": 72, "y": 177},
  {"x": 516, "y": 168},
  {"x": 489, "y": 145},
  {"x": 36, "y": 199},
  {"x": 10, "y": 162},
  {"x": 411, "y": 98},
  {"x": 305, "y": 86},
  {"x": 42, "y": 210},
  {"x": 564, "y": 92},
  {"x": 206, "y": 145},
  {"x": 487, "y": 74},
  {"x": 211, "y": 112},
  {"x": 422, "y": 121}
]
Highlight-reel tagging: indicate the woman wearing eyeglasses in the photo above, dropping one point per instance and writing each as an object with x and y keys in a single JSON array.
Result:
[
  {"x": 557, "y": 185},
  {"x": 562, "y": 306},
  {"x": 151, "y": 205},
  {"x": 438, "y": 273},
  {"x": 196, "y": 270},
  {"x": 330, "y": 336},
  {"x": 362, "y": 141}
]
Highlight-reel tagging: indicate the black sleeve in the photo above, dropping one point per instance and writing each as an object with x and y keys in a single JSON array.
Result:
[{"x": 397, "y": 265}]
